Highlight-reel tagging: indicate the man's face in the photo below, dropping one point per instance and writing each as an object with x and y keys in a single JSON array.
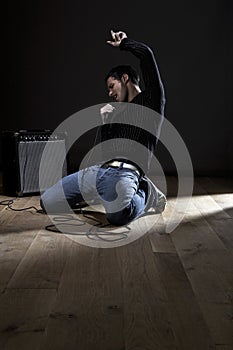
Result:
[{"x": 117, "y": 89}]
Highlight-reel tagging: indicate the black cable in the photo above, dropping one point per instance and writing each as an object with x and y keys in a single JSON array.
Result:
[
  {"x": 6, "y": 202},
  {"x": 64, "y": 219},
  {"x": 99, "y": 226},
  {"x": 9, "y": 202}
]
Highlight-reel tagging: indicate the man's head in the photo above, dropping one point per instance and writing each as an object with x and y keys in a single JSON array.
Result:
[{"x": 121, "y": 80}]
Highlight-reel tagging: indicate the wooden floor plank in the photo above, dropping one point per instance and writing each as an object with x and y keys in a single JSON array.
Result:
[
  {"x": 203, "y": 245},
  {"x": 223, "y": 229},
  {"x": 195, "y": 246},
  {"x": 17, "y": 232},
  {"x": 146, "y": 320},
  {"x": 2, "y": 206},
  {"x": 187, "y": 320},
  {"x": 43, "y": 263},
  {"x": 161, "y": 243},
  {"x": 13, "y": 247},
  {"x": 159, "y": 239},
  {"x": 222, "y": 195},
  {"x": 225, "y": 201},
  {"x": 219, "y": 221},
  {"x": 220, "y": 322},
  {"x": 216, "y": 185},
  {"x": 23, "y": 317},
  {"x": 208, "y": 207},
  {"x": 88, "y": 313},
  {"x": 209, "y": 268}
]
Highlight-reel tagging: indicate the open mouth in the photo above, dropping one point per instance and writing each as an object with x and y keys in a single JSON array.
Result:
[{"x": 115, "y": 97}]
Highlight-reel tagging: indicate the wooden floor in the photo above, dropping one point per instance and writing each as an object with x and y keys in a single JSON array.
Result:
[{"x": 161, "y": 292}]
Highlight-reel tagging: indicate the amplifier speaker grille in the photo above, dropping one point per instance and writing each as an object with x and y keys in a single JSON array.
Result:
[{"x": 22, "y": 157}]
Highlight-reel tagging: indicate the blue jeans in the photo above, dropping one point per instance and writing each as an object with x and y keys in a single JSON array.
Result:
[{"x": 116, "y": 188}]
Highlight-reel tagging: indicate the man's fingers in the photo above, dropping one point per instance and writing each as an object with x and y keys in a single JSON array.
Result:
[
  {"x": 113, "y": 43},
  {"x": 118, "y": 37},
  {"x": 113, "y": 34},
  {"x": 107, "y": 109}
]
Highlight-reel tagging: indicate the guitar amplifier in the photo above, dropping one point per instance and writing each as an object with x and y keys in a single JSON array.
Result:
[{"x": 22, "y": 152}]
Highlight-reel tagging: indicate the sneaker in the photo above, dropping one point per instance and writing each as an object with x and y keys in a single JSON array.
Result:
[{"x": 156, "y": 200}]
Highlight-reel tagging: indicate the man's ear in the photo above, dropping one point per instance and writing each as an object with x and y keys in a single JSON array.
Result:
[{"x": 125, "y": 78}]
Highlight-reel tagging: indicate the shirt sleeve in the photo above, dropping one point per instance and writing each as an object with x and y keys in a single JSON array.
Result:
[{"x": 154, "y": 89}]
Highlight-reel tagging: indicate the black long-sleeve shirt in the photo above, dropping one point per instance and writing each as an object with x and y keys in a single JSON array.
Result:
[
  {"x": 132, "y": 122},
  {"x": 153, "y": 95}
]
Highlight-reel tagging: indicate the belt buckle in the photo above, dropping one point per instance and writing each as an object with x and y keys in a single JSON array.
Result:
[{"x": 118, "y": 164}]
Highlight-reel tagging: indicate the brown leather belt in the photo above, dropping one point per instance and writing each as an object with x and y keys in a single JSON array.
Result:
[{"x": 117, "y": 164}]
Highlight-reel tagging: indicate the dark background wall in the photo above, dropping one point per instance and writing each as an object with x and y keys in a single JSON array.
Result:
[{"x": 56, "y": 59}]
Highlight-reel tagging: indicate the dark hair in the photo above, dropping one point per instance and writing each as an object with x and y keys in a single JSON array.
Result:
[{"x": 118, "y": 71}]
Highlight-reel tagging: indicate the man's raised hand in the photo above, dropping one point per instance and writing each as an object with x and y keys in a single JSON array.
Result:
[{"x": 117, "y": 38}]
